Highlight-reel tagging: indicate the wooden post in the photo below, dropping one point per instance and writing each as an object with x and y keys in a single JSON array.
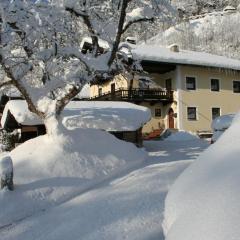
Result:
[{"x": 6, "y": 173}]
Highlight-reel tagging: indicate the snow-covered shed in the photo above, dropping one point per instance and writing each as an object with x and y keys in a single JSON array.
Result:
[{"x": 122, "y": 119}]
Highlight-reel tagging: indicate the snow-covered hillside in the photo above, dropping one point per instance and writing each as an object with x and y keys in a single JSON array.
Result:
[
  {"x": 193, "y": 7},
  {"x": 216, "y": 32}
]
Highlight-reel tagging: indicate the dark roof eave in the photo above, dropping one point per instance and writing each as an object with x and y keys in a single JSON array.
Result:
[{"x": 188, "y": 64}]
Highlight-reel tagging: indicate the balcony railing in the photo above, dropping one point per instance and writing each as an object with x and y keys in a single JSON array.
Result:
[{"x": 136, "y": 95}]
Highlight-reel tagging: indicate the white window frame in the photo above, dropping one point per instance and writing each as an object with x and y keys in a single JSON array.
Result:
[
  {"x": 196, "y": 83},
  {"x": 192, "y": 120},
  {"x": 216, "y": 107},
  {"x": 219, "y": 80}
]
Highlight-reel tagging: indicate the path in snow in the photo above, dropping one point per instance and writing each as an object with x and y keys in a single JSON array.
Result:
[{"x": 129, "y": 207}]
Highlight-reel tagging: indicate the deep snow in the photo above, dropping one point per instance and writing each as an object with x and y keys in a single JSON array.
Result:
[
  {"x": 128, "y": 206},
  {"x": 52, "y": 170},
  {"x": 204, "y": 201}
]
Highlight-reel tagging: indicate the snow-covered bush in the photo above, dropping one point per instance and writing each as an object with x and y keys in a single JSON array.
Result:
[{"x": 8, "y": 140}]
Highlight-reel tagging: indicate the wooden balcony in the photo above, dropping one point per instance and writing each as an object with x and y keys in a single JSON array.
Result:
[{"x": 137, "y": 95}]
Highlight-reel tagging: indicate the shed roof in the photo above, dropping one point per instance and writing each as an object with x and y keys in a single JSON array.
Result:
[{"x": 105, "y": 115}]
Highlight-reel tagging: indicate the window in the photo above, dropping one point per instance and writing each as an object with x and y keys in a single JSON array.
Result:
[
  {"x": 192, "y": 113},
  {"x": 100, "y": 91},
  {"x": 215, "y": 85},
  {"x": 215, "y": 113},
  {"x": 236, "y": 86},
  {"x": 191, "y": 83},
  {"x": 158, "y": 112}
]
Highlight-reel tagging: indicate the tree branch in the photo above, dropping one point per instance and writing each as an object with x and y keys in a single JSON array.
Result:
[
  {"x": 21, "y": 89},
  {"x": 22, "y": 35},
  {"x": 6, "y": 83},
  {"x": 130, "y": 23},
  {"x": 66, "y": 99},
  {"x": 119, "y": 31},
  {"x": 89, "y": 25}
]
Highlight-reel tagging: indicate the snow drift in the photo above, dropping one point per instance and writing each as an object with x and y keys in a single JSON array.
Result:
[
  {"x": 51, "y": 170},
  {"x": 182, "y": 136},
  {"x": 222, "y": 122},
  {"x": 204, "y": 202}
]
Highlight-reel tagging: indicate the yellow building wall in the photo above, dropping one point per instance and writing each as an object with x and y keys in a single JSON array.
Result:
[
  {"x": 120, "y": 81},
  {"x": 160, "y": 79},
  {"x": 205, "y": 99},
  {"x": 158, "y": 122},
  {"x": 161, "y": 122},
  {"x": 202, "y": 98}
]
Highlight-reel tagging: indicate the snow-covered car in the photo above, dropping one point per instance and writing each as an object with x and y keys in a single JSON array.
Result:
[{"x": 220, "y": 124}]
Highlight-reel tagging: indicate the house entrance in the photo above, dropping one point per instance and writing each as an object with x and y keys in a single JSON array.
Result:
[{"x": 170, "y": 118}]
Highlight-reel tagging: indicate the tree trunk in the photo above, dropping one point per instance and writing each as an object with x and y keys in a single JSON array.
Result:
[{"x": 54, "y": 126}]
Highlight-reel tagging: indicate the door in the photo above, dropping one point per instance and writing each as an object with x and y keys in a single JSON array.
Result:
[{"x": 170, "y": 118}]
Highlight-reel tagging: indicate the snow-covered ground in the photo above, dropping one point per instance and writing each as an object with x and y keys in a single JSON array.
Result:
[
  {"x": 204, "y": 201},
  {"x": 129, "y": 205}
]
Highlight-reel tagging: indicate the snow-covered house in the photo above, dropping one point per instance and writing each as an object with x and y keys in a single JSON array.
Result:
[
  {"x": 185, "y": 90},
  {"x": 123, "y": 120}
]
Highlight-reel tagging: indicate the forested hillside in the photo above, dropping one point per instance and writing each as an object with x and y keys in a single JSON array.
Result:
[{"x": 203, "y": 26}]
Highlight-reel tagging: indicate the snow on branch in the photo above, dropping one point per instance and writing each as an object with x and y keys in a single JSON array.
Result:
[{"x": 141, "y": 14}]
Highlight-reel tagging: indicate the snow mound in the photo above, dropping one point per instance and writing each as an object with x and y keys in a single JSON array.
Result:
[
  {"x": 204, "y": 201},
  {"x": 222, "y": 122},
  {"x": 51, "y": 170},
  {"x": 182, "y": 136}
]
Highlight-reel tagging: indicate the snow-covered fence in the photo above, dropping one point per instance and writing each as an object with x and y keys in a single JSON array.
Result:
[{"x": 6, "y": 172}]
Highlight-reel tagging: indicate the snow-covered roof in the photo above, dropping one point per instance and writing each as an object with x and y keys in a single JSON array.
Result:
[
  {"x": 229, "y": 8},
  {"x": 165, "y": 55},
  {"x": 19, "y": 109},
  {"x": 105, "y": 115}
]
